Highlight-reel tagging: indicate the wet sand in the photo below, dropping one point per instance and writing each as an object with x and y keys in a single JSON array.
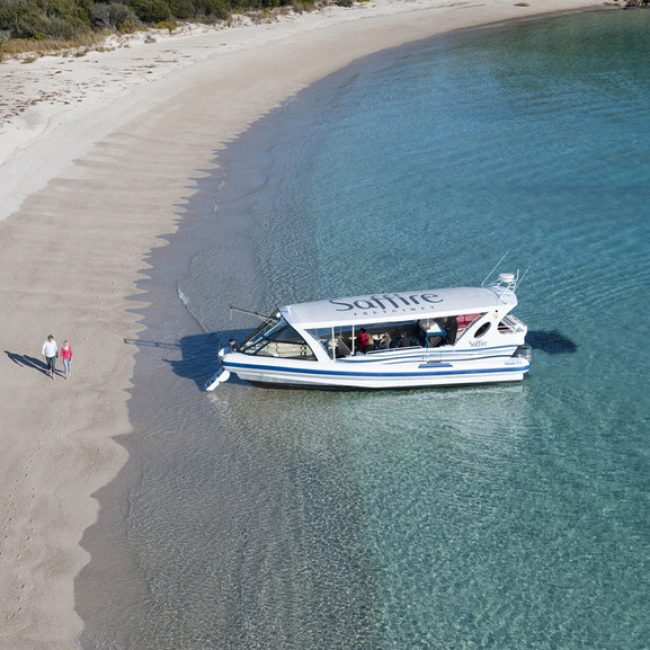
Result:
[{"x": 86, "y": 200}]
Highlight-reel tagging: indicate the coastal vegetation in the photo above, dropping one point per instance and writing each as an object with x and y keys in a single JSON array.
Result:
[{"x": 45, "y": 24}]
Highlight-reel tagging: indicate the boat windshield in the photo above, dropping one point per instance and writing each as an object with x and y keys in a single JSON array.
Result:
[
  {"x": 261, "y": 334},
  {"x": 277, "y": 338}
]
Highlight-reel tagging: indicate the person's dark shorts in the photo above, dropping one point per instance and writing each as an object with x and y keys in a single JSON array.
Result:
[{"x": 51, "y": 363}]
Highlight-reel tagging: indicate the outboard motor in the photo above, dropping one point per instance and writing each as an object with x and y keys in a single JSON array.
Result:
[{"x": 525, "y": 351}]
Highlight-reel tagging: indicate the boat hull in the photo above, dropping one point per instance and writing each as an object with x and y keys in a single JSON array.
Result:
[{"x": 349, "y": 375}]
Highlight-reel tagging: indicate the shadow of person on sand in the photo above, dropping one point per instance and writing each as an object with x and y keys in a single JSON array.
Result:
[{"x": 27, "y": 361}]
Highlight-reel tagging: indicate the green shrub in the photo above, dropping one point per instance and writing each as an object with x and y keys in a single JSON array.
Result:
[
  {"x": 183, "y": 9},
  {"x": 150, "y": 11},
  {"x": 129, "y": 26},
  {"x": 344, "y": 3},
  {"x": 170, "y": 24},
  {"x": 46, "y": 20},
  {"x": 214, "y": 9},
  {"x": 112, "y": 15},
  {"x": 21, "y": 18}
]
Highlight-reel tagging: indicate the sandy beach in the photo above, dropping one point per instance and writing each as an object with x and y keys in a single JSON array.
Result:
[{"x": 98, "y": 156}]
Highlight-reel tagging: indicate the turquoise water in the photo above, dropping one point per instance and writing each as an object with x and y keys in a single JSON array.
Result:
[{"x": 480, "y": 517}]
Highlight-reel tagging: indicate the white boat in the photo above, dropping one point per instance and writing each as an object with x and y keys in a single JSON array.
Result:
[{"x": 438, "y": 337}]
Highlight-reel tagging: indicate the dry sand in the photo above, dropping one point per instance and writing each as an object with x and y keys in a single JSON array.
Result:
[{"x": 97, "y": 154}]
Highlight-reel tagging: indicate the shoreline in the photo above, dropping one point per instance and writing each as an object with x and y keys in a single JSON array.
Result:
[{"x": 76, "y": 250}]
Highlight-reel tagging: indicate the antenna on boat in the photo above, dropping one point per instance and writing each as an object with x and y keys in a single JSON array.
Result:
[
  {"x": 521, "y": 279},
  {"x": 494, "y": 268},
  {"x": 266, "y": 319}
]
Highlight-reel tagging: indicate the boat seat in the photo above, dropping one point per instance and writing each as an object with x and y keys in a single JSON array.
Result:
[{"x": 464, "y": 321}]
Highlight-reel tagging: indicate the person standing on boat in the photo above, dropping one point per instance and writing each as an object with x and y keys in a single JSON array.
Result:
[
  {"x": 452, "y": 329},
  {"x": 362, "y": 342},
  {"x": 50, "y": 352}
]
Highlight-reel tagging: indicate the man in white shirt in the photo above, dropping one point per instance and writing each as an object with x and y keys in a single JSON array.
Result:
[{"x": 50, "y": 350}]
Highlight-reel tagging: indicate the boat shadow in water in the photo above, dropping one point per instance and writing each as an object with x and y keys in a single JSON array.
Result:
[
  {"x": 198, "y": 360},
  {"x": 551, "y": 341}
]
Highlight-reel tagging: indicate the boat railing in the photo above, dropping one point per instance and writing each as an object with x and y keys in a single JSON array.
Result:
[{"x": 514, "y": 323}]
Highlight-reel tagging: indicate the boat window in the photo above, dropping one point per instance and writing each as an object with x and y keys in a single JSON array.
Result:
[
  {"x": 340, "y": 341},
  {"x": 261, "y": 335},
  {"x": 335, "y": 341},
  {"x": 465, "y": 321},
  {"x": 447, "y": 330},
  {"x": 504, "y": 327},
  {"x": 281, "y": 341},
  {"x": 481, "y": 331}
]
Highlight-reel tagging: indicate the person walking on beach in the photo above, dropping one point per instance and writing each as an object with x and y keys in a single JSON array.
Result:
[
  {"x": 50, "y": 352},
  {"x": 66, "y": 356}
]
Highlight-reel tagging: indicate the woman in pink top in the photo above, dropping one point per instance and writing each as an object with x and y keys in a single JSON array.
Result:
[
  {"x": 362, "y": 342},
  {"x": 66, "y": 355}
]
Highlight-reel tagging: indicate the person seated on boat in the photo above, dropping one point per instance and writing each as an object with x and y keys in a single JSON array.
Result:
[
  {"x": 384, "y": 341},
  {"x": 420, "y": 334},
  {"x": 438, "y": 338},
  {"x": 405, "y": 341},
  {"x": 232, "y": 345},
  {"x": 451, "y": 328},
  {"x": 374, "y": 342},
  {"x": 362, "y": 342}
]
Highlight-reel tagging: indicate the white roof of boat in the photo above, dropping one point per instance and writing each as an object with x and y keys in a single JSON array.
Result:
[{"x": 405, "y": 305}]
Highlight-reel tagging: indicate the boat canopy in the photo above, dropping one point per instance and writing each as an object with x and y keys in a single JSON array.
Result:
[{"x": 387, "y": 307}]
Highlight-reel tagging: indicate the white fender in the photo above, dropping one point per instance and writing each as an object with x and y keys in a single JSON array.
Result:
[{"x": 221, "y": 377}]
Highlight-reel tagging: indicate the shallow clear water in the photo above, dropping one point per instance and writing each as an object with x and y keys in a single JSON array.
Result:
[{"x": 481, "y": 517}]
